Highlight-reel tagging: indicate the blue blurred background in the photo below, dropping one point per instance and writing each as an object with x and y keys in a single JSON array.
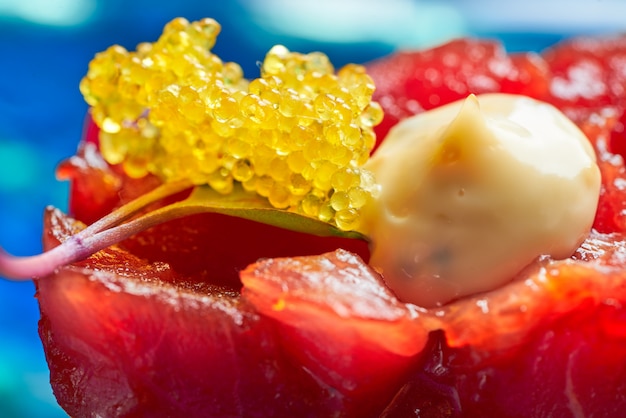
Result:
[{"x": 45, "y": 46}]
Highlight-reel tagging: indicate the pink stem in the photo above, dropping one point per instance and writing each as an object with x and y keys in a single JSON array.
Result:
[
  {"x": 99, "y": 235},
  {"x": 134, "y": 206},
  {"x": 24, "y": 268}
]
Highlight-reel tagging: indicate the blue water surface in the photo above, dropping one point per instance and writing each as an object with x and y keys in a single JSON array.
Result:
[{"x": 45, "y": 47}]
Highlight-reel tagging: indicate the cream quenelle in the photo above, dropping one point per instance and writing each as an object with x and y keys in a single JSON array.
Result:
[{"x": 472, "y": 192}]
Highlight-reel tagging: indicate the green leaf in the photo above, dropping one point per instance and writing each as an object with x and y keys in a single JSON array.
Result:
[
  {"x": 129, "y": 220},
  {"x": 248, "y": 205}
]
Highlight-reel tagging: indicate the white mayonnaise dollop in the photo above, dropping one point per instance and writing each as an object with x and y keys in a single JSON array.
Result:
[{"x": 472, "y": 192}]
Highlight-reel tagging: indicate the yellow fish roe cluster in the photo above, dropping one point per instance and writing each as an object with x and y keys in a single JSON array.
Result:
[{"x": 297, "y": 135}]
